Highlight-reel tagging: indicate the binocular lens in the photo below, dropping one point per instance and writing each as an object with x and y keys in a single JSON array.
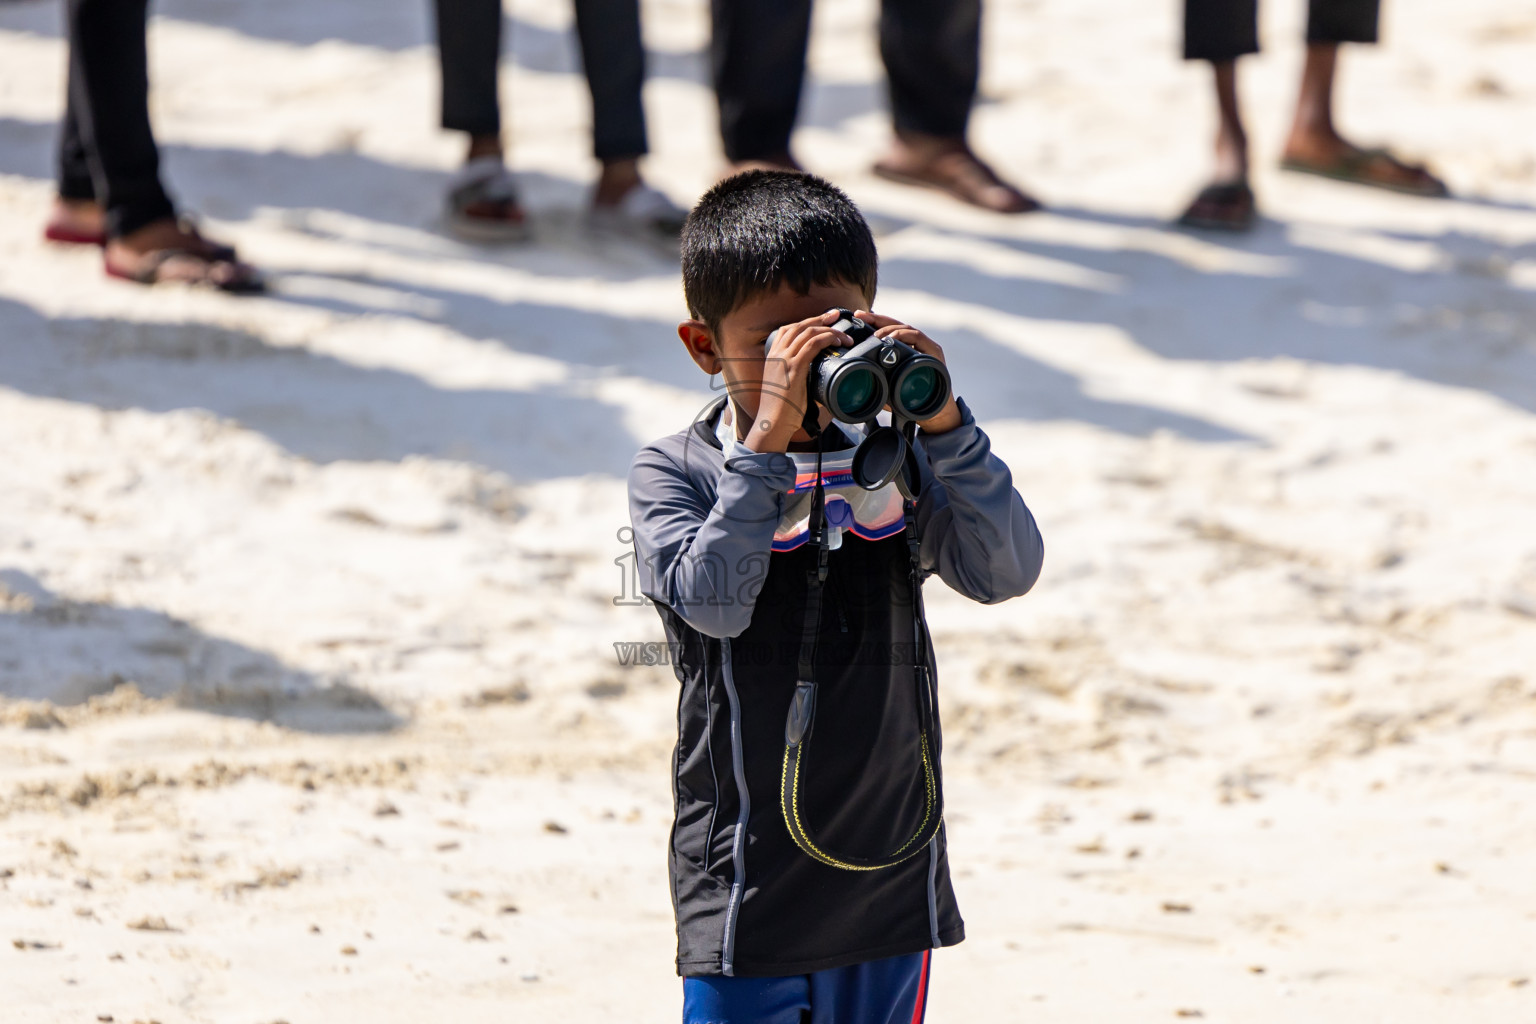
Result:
[
  {"x": 857, "y": 393},
  {"x": 879, "y": 458},
  {"x": 921, "y": 392}
]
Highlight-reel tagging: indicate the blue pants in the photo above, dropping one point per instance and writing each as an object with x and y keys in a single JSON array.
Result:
[{"x": 892, "y": 991}]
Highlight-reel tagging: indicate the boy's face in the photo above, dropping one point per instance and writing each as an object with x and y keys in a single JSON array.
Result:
[{"x": 736, "y": 350}]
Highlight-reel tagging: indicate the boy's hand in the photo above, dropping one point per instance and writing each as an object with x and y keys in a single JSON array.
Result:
[
  {"x": 947, "y": 418},
  {"x": 786, "y": 365}
]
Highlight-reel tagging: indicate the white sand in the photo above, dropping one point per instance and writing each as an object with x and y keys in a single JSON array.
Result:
[{"x": 307, "y": 601}]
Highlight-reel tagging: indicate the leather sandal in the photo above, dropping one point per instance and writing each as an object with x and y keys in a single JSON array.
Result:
[
  {"x": 1377, "y": 168},
  {"x": 189, "y": 266},
  {"x": 1221, "y": 206},
  {"x": 963, "y": 175}
]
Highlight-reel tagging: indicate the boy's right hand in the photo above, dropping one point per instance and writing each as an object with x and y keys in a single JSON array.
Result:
[{"x": 787, "y": 360}]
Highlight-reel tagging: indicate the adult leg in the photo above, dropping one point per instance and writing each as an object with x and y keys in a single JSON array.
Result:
[
  {"x": 468, "y": 52},
  {"x": 75, "y": 180},
  {"x": 76, "y": 217},
  {"x": 932, "y": 52},
  {"x": 1329, "y": 23},
  {"x": 757, "y": 57},
  {"x": 1221, "y": 31},
  {"x": 482, "y": 198},
  {"x": 614, "y": 59},
  {"x": 1315, "y": 145},
  {"x": 932, "y": 55},
  {"x": 109, "y": 97},
  {"x": 613, "y": 55}
]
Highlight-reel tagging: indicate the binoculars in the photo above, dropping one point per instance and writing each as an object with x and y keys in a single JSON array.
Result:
[{"x": 856, "y": 383}]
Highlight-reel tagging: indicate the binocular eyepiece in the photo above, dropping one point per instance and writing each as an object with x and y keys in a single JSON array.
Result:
[{"x": 856, "y": 383}]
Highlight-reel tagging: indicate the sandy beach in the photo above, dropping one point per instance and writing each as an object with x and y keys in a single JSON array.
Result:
[{"x": 312, "y": 706}]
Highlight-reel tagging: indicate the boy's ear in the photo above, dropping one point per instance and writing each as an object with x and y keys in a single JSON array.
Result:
[{"x": 699, "y": 340}]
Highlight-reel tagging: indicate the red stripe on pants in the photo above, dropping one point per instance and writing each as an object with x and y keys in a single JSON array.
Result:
[{"x": 920, "y": 1006}]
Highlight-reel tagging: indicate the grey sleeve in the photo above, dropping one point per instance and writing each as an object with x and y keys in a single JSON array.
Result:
[
  {"x": 977, "y": 534},
  {"x": 707, "y": 559}
]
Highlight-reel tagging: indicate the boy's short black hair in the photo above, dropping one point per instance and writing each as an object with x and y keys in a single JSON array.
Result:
[{"x": 758, "y": 230}]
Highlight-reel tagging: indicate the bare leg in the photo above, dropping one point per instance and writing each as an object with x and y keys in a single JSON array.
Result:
[
  {"x": 1226, "y": 203},
  {"x": 1312, "y": 131},
  {"x": 1315, "y": 142},
  {"x": 617, "y": 179},
  {"x": 1231, "y": 139},
  {"x": 484, "y": 145}
]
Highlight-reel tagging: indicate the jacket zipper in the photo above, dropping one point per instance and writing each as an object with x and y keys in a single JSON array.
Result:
[{"x": 837, "y": 602}]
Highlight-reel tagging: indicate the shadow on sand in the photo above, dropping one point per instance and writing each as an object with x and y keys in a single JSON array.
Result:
[
  {"x": 1334, "y": 297},
  {"x": 312, "y": 405},
  {"x": 68, "y": 652},
  {"x": 1456, "y": 320}
]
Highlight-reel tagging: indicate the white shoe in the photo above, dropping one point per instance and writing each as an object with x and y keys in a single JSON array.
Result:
[{"x": 644, "y": 211}]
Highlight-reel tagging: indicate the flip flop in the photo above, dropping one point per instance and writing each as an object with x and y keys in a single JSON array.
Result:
[
  {"x": 1232, "y": 199},
  {"x": 1354, "y": 167},
  {"x": 65, "y": 226},
  {"x": 58, "y": 231},
  {"x": 239, "y": 279},
  {"x": 961, "y": 174},
  {"x": 482, "y": 204}
]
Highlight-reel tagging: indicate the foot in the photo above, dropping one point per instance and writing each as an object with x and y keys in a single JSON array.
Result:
[
  {"x": 949, "y": 165},
  {"x": 76, "y": 222},
  {"x": 172, "y": 250},
  {"x": 622, "y": 201},
  {"x": 1332, "y": 156},
  {"x": 482, "y": 203},
  {"x": 617, "y": 179},
  {"x": 641, "y": 211},
  {"x": 1221, "y": 206}
]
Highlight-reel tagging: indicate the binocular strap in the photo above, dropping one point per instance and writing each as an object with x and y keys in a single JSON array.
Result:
[{"x": 802, "y": 712}]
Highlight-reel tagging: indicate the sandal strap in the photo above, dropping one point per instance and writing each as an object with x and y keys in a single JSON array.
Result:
[
  {"x": 966, "y": 171},
  {"x": 219, "y": 251},
  {"x": 646, "y": 203},
  {"x": 150, "y": 263},
  {"x": 153, "y": 262},
  {"x": 1226, "y": 192},
  {"x": 962, "y": 174},
  {"x": 1353, "y": 161},
  {"x": 1396, "y": 161},
  {"x": 483, "y": 179}
]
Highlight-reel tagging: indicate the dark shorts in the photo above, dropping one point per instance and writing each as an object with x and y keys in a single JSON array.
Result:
[
  {"x": 891, "y": 991},
  {"x": 1224, "y": 30}
]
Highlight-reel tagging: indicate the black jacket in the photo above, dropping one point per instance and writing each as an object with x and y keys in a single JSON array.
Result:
[{"x": 750, "y": 902}]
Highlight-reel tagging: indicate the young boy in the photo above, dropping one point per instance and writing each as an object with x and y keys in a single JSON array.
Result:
[{"x": 809, "y": 874}]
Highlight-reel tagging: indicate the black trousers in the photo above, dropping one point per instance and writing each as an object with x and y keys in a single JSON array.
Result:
[
  {"x": 1224, "y": 30},
  {"x": 931, "y": 50},
  {"x": 106, "y": 149},
  {"x": 469, "y": 49}
]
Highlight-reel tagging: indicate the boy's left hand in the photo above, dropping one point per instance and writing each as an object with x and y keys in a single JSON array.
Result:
[{"x": 947, "y": 418}]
